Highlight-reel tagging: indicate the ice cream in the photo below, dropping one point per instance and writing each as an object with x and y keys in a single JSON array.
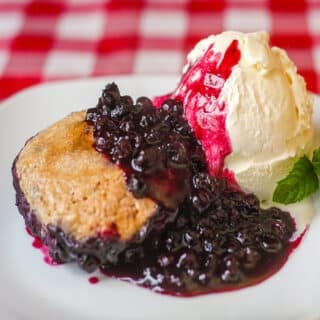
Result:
[{"x": 249, "y": 108}]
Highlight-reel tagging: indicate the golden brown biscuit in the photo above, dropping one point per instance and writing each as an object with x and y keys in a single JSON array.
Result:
[{"x": 66, "y": 188}]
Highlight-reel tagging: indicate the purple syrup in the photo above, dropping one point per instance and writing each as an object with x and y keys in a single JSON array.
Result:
[
  {"x": 220, "y": 240},
  {"x": 94, "y": 280},
  {"x": 38, "y": 244}
]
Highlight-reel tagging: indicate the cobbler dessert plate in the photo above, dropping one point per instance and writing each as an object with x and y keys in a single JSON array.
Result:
[{"x": 32, "y": 288}]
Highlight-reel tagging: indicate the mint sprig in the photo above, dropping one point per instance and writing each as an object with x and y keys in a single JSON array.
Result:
[
  {"x": 316, "y": 161},
  {"x": 301, "y": 181}
]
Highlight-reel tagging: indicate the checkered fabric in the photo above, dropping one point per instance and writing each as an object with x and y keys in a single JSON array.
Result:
[{"x": 44, "y": 40}]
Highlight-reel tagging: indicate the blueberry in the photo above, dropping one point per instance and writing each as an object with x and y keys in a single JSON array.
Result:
[
  {"x": 251, "y": 257},
  {"x": 190, "y": 238},
  {"x": 172, "y": 242},
  {"x": 204, "y": 278},
  {"x": 107, "y": 99},
  {"x": 127, "y": 125},
  {"x": 183, "y": 129},
  {"x": 270, "y": 243},
  {"x": 137, "y": 186},
  {"x": 138, "y": 141},
  {"x": 134, "y": 254},
  {"x": 207, "y": 246},
  {"x": 197, "y": 162},
  {"x": 201, "y": 180},
  {"x": 233, "y": 246},
  {"x": 148, "y": 119},
  {"x": 100, "y": 123},
  {"x": 119, "y": 111},
  {"x": 144, "y": 102},
  {"x": 126, "y": 100},
  {"x": 123, "y": 148},
  {"x": 92, "y": 115},
  {"x": 147, "y": 161},
  {"x": 152, "y": 138},
  {"x": 210, "y": 262},
  {"x": 187, "y": 260},
  {"x": 172, "y": 107},
  {"x": 280, "y": 228},
  {"x": 176, "y": 281},
  {"x": 162, "y": 128},
  {"x": 100, "y": 144},
  {"x": 231, "y": 276},
  {"x": 111, "y": 90},
  {"x": 201, "y": 201},
  {"x": 177, "y": 155},
  {"x": 88, "y": 263},
  {"x": 165, "y": 260},
  {"x": 181, "y": 221},
  {"x": 231, "y": 262}
]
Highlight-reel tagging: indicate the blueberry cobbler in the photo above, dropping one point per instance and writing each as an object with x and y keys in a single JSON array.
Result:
[
  {"x": 125, "y": 187},
  {"x": 157, "y": 192}
]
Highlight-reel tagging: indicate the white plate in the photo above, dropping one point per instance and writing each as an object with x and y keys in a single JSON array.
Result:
[{"x": 30, "y": 289}]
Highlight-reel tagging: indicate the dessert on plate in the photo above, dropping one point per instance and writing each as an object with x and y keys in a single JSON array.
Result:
[
  {"x": 69, "y": 193},
  {"x": 175, "y": 194}
]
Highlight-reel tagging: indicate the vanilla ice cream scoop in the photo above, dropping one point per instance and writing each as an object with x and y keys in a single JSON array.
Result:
[{"x": 248, "y": 107}]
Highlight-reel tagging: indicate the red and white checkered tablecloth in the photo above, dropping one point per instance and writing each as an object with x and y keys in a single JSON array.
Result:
[{"x": 45, "y": 40}]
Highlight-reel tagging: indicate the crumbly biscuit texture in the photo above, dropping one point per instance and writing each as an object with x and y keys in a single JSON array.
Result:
[{"x": 69, "y": 184}]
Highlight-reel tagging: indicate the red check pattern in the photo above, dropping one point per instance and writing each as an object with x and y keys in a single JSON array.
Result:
[{"x": 45, "y": 40}]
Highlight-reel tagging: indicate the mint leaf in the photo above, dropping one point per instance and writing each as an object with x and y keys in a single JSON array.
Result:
[
  {"x": 316, "y": 161},
  {"x": 301, "y": 181}
]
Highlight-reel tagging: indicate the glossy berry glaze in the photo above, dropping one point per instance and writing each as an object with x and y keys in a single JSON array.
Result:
[
  {"x": 38, "y": 244},
  {"x": 155, "y": 147},
  {"x": 221, "y": 238},
  {"x": 93, "y": 280},
  {"x": 199, "y": 90}
]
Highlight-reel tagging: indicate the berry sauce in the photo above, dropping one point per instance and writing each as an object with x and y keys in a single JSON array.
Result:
[
  {"x": 94, "y": 280},
  {"x": 199, "y": 90},
  {"x": 38, "y": 244},
  {"x": 220, "y": 239}
]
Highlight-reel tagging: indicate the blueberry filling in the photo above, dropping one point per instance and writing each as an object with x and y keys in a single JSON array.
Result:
[
  {"x": 221, "y": 239},
  {"x": 155, "y": 147}
]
